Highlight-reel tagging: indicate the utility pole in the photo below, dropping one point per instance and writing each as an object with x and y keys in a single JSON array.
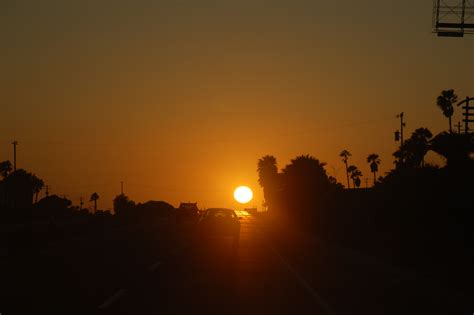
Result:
[
  {"x": 399, "y": 134},
  {"x": 402, "y": 124},
  {"x": 459, "y": 127},
  {"x": 15, "y": 143}
]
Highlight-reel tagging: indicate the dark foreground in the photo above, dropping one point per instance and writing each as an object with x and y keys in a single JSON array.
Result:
[{"x": 161, "y": 268}]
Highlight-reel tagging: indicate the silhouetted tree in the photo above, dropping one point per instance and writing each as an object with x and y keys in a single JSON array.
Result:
[
  {"x": 123, "y": 205},
  {"x": 268, "y": 178},
  {"x": 412, "y": 152},
  {"x": 94, "y": 197},
  {"x": 357, "y": 181},
  {"x": 456, "y": 148},
  {"x": 445, "y": 102},
  {"x": 305, "y": 183},
  {"x": 19, "y": 188},
  {"x": 38, "y": 184},
  {"x": 5, "y": 168},
  {"x": 345, "y": 157},
  {"x": 152, "y": 209},
  {"x": 355, "y": 175},
  {"x": 53, "y": 205},
  {"x": 374, "y": 161},
  {"x": 421, "y": 141}
]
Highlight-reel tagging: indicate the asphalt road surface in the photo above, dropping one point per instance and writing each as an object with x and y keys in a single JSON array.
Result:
[{"x": 165, "y": 269}]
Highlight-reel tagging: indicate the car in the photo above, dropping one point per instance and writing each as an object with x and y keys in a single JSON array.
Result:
[
  {"x": 219, "y": 222},
  {"x": 187, "y": 211}
]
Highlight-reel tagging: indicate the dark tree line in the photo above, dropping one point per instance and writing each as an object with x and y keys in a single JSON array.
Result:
[
  {"x": 129, "y": 210},
  {"x": 413, "y": 207},
  {"x": 299, "y": 186}
]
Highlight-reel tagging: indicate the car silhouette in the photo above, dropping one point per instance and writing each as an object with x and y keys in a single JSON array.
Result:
[
  {"x": 187, "y": 211},
  {"x": 219, "y": 222}
]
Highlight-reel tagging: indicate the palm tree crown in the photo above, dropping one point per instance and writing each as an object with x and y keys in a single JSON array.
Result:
[
  {"x": 94, "y": 197},
  {"x": 355, "y": 175},
  {"x": 267, "y": 170},
  {"x": 38, "y": 184},
  {"x": 268, "y": 178},
  {"x": 345, "y": 157},
  {"x": 445, "y": 102},
  {"x": 374, "y": 161}
]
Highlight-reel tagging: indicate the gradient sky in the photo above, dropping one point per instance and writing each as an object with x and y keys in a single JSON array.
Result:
[{"x": 179, "y": 99}]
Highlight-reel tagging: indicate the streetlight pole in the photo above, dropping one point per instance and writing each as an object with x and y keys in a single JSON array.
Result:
[{"x": 15, "y": 143}]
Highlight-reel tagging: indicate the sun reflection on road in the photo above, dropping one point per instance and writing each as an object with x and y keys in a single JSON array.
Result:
[{"x": 242, "y": 213}]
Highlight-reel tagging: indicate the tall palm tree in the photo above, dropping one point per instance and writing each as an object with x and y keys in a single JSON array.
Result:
[
  {"x": 38, "y": 184},
  {"x": 268, "y": 178},
  {"x": 5, "y": 168},
  {"x": 345, "y": 157},
  {"x": 355, "y": 175},
  {"x": 94, "y": 197},
  {"x": 445, "y": 102},
  {"x": 374, "y": 161},
  {"x": 267, "y": 170}
]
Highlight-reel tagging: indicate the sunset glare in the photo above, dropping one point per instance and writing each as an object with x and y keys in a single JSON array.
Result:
[{"x": 243, "y": 194}]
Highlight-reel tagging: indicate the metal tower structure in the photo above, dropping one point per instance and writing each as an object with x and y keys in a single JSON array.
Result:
[{"x": 453, "y": 18}]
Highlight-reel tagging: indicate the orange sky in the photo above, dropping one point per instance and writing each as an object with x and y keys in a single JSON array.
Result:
[{"x": 179, "y": 99}]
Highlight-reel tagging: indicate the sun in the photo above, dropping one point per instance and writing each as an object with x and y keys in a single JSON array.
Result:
[{"x": 243, "y": 194}]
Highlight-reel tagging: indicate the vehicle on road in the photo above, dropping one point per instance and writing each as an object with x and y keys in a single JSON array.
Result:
[
  {"x": 219, "y": 222},
  {"x": 187, "y": 211}
]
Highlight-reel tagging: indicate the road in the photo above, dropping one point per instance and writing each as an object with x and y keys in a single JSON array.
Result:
[
  {"x": 166, "y": 270},
  {"x": 215, "y": 278}
]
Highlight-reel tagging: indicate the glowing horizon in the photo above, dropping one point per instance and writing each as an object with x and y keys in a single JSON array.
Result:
[{"x": 180, "y": 100}]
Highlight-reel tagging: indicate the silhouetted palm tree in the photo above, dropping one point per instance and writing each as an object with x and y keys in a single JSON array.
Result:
[
  {"x": 94, "y": 197},
  {"x": 445, "y": 101},
  {"x": 38, "y": 184},
  {"x": 267, "y": 170},
  {"x": 345, "y": 157},
  {"x": 268, "y": 178},
  {"x": 374, "y": 161},
  {"x": 355, "y": 175},
  {"x": 5, "y": 168}
]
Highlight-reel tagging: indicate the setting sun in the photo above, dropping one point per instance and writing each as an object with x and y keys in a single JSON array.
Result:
[{"x": 243, "y": 194}]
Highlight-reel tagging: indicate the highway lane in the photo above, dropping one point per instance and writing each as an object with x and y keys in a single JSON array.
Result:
[
  {"x": 273, "y": 273},
  {"x": 162, "y": 268},
  {"x": 74, "y": 275},
  {"x": 215, "y": 278}
]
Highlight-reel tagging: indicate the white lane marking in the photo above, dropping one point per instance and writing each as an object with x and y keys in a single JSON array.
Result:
[
  {"x": 111, "y": 300},
  {"x": 304, "y": 283},
  {"x": 154, "y": 266}
]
